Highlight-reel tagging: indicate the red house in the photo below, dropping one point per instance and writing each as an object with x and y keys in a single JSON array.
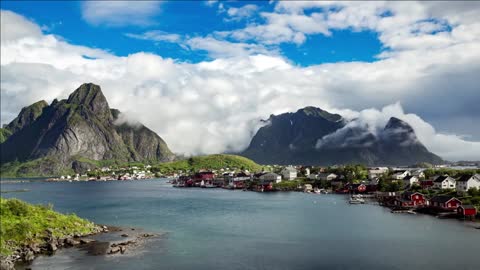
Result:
[
  {"x": 356, "y": 188},
  {"x": 467, "y": 210},
  {"x": 410, "y": 199},
  {"x": 445, "y": 202},
  {"x": 207, "y": 177},
  {"x": 426, "y": 184}
]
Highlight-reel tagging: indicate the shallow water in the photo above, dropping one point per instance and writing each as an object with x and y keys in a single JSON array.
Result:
[{"x": 223, "y": 229}]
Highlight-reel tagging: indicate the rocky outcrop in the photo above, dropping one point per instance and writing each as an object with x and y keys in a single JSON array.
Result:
[
  {"x": 81, "y": 126},
  {"x": 312, "y": 136}
]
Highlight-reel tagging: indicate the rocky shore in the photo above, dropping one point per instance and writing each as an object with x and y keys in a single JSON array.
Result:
[{"x": 125, "y": 240}]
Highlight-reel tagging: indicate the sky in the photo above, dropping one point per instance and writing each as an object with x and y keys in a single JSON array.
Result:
[{"x": 203, "y": 74}]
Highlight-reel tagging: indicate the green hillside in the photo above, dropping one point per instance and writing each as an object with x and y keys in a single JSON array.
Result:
[
  {"x": 23, "y": 223},
  {"x": 210, "y": 162}
]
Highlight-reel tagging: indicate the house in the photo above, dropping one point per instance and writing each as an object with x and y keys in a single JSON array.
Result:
[
  {"x": 238, "y": 180},
  {"x": 376, "y": 172},
  {"x": 426, "y": 184},
  {"x": 410, "y": 180},
  {"x": 419, "y": 174},
  {"x": 445, "y": 202},
  {"x": 468, "y": 181},
  {"x": 205, "y": 177},
  {"x": 289, "y": 173},
  {"x": 410, "y": 199},
  {"x": 372, "y": 185},
  {"x": 323, "y": 176},
  {"x": 356, "y": 188},
  {"x": 467, "y": 210},
  {"x": 444, "y": 182},
  {"x": 400, "y": 174},
  {"x": 267, "y": 178}
]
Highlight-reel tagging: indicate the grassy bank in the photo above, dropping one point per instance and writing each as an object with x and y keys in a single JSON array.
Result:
[
  {"x": 210, "y": 162},
  {"x": 23, "y": 224}
]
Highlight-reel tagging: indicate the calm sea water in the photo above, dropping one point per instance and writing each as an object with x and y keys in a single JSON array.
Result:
[{"x": 222, "y": 229}]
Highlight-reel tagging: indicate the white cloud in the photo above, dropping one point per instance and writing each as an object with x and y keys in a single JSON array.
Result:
[
  {"x": 120, "y": 13},
  {"x": 216, "y": 48},
  {"x": 14, "y": 27},
  {"x": 246, "y": 11},
  {"x": 215, "y": 106},
  {"x": 156, "y": 35}
]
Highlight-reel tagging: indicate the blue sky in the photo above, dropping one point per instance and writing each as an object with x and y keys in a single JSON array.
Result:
[
  {"x": 192, "y": 18},
  {"x": 218, "y": 67}
]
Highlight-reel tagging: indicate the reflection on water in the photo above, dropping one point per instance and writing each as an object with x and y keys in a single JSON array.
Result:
[{"x": 222, "y": 229}]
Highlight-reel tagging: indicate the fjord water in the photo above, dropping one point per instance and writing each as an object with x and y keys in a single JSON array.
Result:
[{"x": 223, "y": 229}]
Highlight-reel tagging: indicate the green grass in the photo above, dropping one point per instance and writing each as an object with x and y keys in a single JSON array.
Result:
[
  {"x": 210, "y": 162},
  {"x": 41, "y": 167},
  {"x": 23, "y": 223},
  {"x": 4, "y": 134}
]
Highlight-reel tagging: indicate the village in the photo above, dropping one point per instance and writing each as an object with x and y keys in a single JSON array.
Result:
[
  {"x": 440, "y": 191},
  {"x": 403, "y": 190}
]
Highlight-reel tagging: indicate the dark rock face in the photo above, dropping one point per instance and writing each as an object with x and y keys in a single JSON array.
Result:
[
  {"x": 312, "y": 136},
  {"x": 81, "y": 126}
]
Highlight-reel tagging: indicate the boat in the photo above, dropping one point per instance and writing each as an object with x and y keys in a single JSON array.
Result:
[
  {"x": 356, "y": 200},
  {"x": 317, "y": 191},
  {"x": 209, "y": 185}
]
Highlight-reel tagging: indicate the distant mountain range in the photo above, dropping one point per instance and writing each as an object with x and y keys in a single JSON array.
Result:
[
  {"x": 69, "y": 133},
  {"x": 312, "y": 136},
  {"x": 74, "y": 134}
]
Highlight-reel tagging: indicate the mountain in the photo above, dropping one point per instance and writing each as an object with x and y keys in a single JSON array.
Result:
[
  {"x": 312, "y": 136},
  {"x": 82, "y": 127}
]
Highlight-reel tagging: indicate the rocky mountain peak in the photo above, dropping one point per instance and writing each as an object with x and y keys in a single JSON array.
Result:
[
  {"x": 395, "y": 123},
  {"x": 317, "y": 112},
  {"x": 27, "y": 116},
  {"x": 90, "y": 95}
]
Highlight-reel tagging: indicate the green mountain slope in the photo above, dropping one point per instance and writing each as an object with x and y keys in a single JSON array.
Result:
[{"x": 210, "y": 162}]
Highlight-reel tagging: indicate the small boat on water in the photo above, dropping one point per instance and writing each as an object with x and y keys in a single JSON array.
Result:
[
  {"x": 317, "y": 191},
  {"x": 356, "y": 200}
]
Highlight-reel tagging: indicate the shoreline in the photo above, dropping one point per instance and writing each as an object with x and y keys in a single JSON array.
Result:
[{"x": 119, "y": 241}]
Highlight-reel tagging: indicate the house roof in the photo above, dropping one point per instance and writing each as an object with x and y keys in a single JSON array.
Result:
[
  {"x": 290, "y": 169},
  {"x": 464, "y": 178},
  {"x": 410, "y": 193},
  {"x": 442, "y": 198},
  {"x": 409, "y": 177},
  {"x": 326, "y": 174},
  {"x": 467, "y": 206},
  {"x": 441, "y": 178}
]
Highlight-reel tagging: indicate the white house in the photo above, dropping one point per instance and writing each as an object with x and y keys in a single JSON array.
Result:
[
  {"x": 323, "y": 176},
  {"x": 399, "y": 175},
  {"x": 270, "y": 177},
  {"x": 376, "y": 172},
  {"x": 418, "y": 173},
  {"x": 289, "y": 173},
  {"x": 307, "y": 172},
  {"x": 410, "y": 180},
  {"x": 467, "y": 182},
  {"x": 444, "y": 182}
]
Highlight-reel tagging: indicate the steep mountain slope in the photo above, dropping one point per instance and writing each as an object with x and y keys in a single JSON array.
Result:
[
  {"x": 81, "y": 126},
  {"x": 312, "y": 136}
]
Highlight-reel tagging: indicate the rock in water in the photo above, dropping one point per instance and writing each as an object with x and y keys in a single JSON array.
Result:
[{"x": 64, "y": 133}]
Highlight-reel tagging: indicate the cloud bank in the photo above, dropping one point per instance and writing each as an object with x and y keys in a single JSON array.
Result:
[{"x": 215, "y": 106}]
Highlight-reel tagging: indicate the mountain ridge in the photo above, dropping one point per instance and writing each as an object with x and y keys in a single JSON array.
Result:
[
  {"x": 322, "y": 138},
  {"x": 82, "y": 125}
]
